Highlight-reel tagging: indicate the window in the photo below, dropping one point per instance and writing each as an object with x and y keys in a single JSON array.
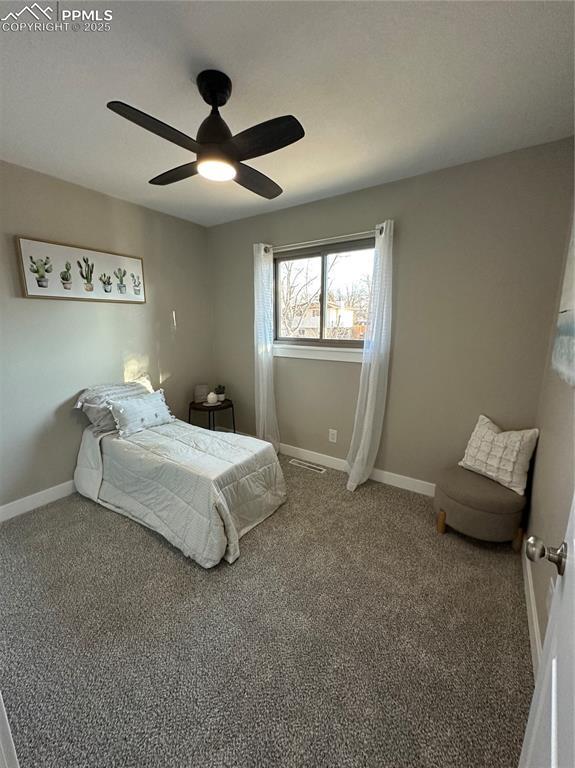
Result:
[{"x": 322, "y": 295}]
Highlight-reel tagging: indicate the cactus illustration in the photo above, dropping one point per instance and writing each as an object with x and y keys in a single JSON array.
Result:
[
  {"x": 66, "y": 276},
  {"x": 86, "y": 273},
  {"x": 136, "y": 283},
  {"x": 106, "y": 281},
  {"x": 41, "y": 267},
  {"x": 120, "y": 275}
]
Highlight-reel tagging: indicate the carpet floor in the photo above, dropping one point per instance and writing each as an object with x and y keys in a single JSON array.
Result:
[{"x": 348, "y": 634}]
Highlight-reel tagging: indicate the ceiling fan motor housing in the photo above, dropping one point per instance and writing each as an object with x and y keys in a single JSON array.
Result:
[
  {"x": 215, "y": 88},
  {"x": 213, "y": 130}
]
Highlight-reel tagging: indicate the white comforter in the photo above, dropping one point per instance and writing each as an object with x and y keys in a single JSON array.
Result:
[{"x": 201, "y": 490}]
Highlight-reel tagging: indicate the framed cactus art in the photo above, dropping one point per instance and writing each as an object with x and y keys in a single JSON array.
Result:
[{"x": 61, "y": 271}]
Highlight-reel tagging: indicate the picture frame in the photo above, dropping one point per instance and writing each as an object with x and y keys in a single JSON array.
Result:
[{"x": 54, "y": 270}]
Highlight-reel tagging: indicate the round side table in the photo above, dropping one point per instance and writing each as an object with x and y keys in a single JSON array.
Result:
[{"x": 211, "y": 410}]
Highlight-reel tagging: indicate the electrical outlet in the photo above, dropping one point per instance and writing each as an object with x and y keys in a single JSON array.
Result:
[{"x": 332, "y": 435}]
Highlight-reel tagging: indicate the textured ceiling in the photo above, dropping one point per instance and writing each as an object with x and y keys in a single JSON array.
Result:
[{"x": 384, "y": 90}]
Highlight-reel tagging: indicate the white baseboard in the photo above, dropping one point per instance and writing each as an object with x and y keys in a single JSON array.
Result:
[
  {"x": 380, "y": 475},
  {"x": 532, "y": 617},
  {"x": 19, "y": 506},
  {"x": 8, "y": 757},
  {"x": 402, "y": 481}
]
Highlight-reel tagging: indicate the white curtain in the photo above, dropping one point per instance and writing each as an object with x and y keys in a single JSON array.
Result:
[
  {"x": 370, "y": 407},
  {"x": 266, "y": 419}
]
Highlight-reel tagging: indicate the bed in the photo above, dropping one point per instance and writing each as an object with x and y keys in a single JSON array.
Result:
[{"x": 201, "y": 490}]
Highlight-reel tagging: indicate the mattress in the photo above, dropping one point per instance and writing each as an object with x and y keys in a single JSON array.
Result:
[{"x": 201, "y": 490}]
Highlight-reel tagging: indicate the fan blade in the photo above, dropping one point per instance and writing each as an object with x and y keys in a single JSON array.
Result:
[
  {"x": 153, "y": 125},
  {"x": 264, "y": 138},
  {"x": 256, "y": 182},
  {"x": 176, "y": 174}
]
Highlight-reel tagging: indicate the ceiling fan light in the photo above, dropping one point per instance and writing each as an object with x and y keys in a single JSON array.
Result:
[{"x": 216, "y": 170}]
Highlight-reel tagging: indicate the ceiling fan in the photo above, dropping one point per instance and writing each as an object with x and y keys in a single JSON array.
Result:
[{"x": 219, "y": 154}]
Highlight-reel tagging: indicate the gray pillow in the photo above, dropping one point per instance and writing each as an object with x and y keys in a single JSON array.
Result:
[
  {"x": 94, "y": 401},
  {"x": 134, "y": 414}
]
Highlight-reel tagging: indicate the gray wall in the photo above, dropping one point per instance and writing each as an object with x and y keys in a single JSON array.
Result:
[
  {"x": 478, "y": 258},
  {"x": 554, "y": 478},
  {"x": 52, "y": 349}
]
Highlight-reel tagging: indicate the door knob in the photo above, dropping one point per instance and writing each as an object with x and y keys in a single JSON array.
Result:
[{"x": 536, "y": 550}]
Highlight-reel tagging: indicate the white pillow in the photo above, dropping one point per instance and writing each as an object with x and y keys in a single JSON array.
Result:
[
  {"x": 133, "y": 414},
  {"x": 502, "y": 456},
  {"x": 94, "y": 401}
]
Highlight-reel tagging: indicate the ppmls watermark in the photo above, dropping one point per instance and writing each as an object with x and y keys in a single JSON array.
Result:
[{"x": 51, "y": 18}]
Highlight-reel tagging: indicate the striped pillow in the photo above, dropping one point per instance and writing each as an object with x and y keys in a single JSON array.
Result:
[
  {"x": 94, "y": 400},
  {"x": 133, "y": 414}
]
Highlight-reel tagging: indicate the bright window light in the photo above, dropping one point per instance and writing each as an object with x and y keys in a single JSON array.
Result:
[
  {"x": 216, "y": 170},
  {"x": 324, "y": 297}
]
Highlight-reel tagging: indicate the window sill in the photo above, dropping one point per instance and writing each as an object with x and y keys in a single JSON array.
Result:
[{"x": 339, "y": 354}]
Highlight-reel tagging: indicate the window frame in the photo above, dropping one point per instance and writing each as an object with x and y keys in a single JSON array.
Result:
[{"x": 305, "y": 253}]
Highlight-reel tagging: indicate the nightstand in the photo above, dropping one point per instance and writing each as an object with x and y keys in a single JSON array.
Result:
[{"x": 211, "y": 410}]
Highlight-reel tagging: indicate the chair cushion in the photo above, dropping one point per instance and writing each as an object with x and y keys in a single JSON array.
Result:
[{"x": 479, "y": 492}]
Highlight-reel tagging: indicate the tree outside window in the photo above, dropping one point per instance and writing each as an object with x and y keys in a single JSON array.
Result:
[{"x": 338, "y": 312}]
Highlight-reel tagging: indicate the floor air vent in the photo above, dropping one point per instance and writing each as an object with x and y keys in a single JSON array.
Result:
[{"x": 307, "y": 465}]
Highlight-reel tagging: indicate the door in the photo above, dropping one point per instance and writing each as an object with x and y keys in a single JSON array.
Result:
[
  {"x": 550, "y": 736},
  {"x": 8, "y": 757}
]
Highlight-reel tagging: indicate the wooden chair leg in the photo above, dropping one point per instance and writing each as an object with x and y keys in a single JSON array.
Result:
[
  {"x": 441, "y": 521},
  {"x": 517, "y": 540}
]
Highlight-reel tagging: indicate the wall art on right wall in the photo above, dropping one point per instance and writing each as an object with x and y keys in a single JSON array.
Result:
[{"x": 563, "y": 360}]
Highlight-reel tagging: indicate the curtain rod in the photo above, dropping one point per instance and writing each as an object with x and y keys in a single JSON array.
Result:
[{"x": 325, "y": 241}]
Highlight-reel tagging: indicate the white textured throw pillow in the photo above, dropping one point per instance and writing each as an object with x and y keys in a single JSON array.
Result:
[
  {"x": 502, "y": 456},
  {"x": 133, "y": 414}
]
